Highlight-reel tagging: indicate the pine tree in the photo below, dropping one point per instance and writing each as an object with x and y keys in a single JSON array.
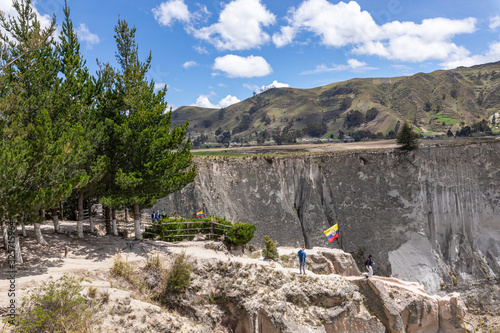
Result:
[
  {"x": 407, "y": 138},
  {"x": 148, "y": 158},
  {"x": 28, "y": 101},
  {"x": 77, "y": 92}
]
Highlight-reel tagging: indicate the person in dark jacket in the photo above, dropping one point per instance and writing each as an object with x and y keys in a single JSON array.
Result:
[
  {"x": 302, "y": 260},
  {"x": 369, "y": 263}
]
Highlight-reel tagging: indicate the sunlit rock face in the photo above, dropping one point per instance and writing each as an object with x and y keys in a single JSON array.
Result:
[{"x": 432, "y": 215}]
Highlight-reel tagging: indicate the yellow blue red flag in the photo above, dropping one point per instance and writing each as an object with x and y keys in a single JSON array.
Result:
[
  {"x": 200, "y": 213},
  {"x": 332, "y": 232}
]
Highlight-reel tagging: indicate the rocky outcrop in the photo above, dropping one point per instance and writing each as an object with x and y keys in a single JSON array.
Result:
[
  {"x": 406, "y": 307},
  {"x": 432, "y": 215},
  {"x": 266, "y": 297}
]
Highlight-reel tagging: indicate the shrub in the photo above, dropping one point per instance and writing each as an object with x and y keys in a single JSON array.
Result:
[
  {"x": 122, "y": 268},
  {"x": 270, "y": 251},
  {"x": 240, "y": 234},
  {"x": 57, "y": 306},
  {"x": 178, "y": 278}
]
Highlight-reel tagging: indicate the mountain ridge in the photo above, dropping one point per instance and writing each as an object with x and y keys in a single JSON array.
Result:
[{"x": 433, "y": 102}]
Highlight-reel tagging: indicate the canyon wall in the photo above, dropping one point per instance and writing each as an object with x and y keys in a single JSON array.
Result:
[{"x": 432, "y": 215}]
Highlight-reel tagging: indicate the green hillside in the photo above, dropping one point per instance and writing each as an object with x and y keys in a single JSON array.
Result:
[{"x": 433, "y": 102}]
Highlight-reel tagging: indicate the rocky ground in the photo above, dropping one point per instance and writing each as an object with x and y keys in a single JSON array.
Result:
[{"x": 235, "y": 292}]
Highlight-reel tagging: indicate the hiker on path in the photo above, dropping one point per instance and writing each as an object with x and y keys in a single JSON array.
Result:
[
  {"x": 302, "y": 260},
  {"x": 369, "y": 263}
]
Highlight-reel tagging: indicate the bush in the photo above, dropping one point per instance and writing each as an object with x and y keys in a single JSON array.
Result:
[
  {"x": 240, "y": 234},
  {"x": 270, "y": 251},
  {"x": 178, "y": 278},
  {"x": 171, "y": 232},
  {"x": 57, "y": 306}
]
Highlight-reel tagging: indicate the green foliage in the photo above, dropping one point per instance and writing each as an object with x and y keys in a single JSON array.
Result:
[
  {"x": 353, "y": 119},
  {"x": 240, "y": 234},
  {"x": 177, "y": 226},
  {"x": 178, "y": 278},
  {"x": 57, "y": 306},
  {"x": 270, "y": 251},
  {"x": 407, "y": 138},
  {"x": 371, "y": 114},
  {"x": 315, "y": 130}
]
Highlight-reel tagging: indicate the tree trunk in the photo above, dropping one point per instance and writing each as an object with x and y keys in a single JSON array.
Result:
[
  {"x": 23, "y": 228},
  {"x": 18, "y": 254},
  {"x": 137, "y": 221},
  {"x": 91, "y": 220},
  {"x": 5, "y": 233},
  {"x": 79, "y": 223},
  {"x": 126, "y": 215},
  {"x": 55, "y": 219},
  {"x": 38, "y": 234},
  {"x": 113, "y": 216},
  {"x": 107, "y": 217},
  {"x": 61, "y": 209}
]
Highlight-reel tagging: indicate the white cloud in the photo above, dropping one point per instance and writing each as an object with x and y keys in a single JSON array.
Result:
[
  {"x": 239, "y": 27},
  {"x": 189, "y": 64},
  {"x": 235, "y": 66},
  {"x": 352, "y": 65},
  {"x": 203, "y": 101},
  {"x": 495, "y": 22},
  {"x": 86, "y": 36},
  {"x": 7, "y": 8},
  {"x": 159, "y": 85},
  {"x": 275, "y": 84},
  {"x": 343, "y": 24},
  {"x": 169, "y": 11},
  {"x": 336, "y": 24},
  {"x": 491, "y": 55}
]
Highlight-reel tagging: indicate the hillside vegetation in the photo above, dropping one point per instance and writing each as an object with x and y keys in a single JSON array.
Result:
[{"x": 435, "y": 102}]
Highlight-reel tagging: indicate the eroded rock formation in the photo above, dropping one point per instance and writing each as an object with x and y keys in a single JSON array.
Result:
[{"x": 432, "y": 215}]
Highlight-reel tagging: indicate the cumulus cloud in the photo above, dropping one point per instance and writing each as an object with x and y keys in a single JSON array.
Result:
[
  {"x": 495, "y": 22},
  {"x": 203, "y": 101},
  {"x": 352, "y": 65},
  {"x": 240, "y": 26},
  {"x": 275, "y": 84},
  {"x": 172, "y": 10},
  {"x": 491, "y": 55},
  {"x": 189, "y": 64},
  {"x": 7, "y": 8},
  {"x": 342, "y": 24},
  {"x": 235, "y": 66},
  {"x": 86, "y": 36}
]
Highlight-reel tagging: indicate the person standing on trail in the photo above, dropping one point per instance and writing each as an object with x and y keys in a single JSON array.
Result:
[
  {"x": 369, "y": 263},
  {"x": 302, "y": 260}
]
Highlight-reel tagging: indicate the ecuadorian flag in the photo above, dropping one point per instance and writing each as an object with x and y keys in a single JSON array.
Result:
[
  {"x": 199, "y": 214},
  {"x": 332, "y": 232}
]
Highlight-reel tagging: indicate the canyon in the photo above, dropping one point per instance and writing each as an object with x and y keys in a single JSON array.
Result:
[{"x": 431, "y": 215}]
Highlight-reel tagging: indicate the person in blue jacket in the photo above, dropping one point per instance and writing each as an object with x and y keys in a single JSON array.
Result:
[{"x": 302, "y": 260}]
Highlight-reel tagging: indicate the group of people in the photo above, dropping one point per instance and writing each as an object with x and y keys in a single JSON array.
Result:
[
  {"x": 302, "y": 263},
  {"x": 156, "y": 216}
]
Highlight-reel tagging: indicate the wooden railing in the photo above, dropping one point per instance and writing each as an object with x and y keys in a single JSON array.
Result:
[{"x": 211, "y": 230}]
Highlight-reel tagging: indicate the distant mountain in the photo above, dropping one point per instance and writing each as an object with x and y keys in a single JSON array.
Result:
[{"x": 433, "y": 102}]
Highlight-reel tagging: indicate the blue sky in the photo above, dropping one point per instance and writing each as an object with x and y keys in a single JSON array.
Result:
[{"x": 215, "y": 53}]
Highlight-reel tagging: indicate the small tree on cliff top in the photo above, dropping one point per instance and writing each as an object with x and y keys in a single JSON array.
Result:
[{"x": 407, "y": 138}]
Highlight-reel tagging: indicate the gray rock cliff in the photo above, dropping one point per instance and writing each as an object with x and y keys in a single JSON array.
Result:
[{"x": 432, "y": 215}]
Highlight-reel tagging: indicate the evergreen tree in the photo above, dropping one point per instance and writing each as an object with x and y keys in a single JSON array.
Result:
[
  {"x": 28, "y": 97},
  {"x": 149, "y": 159},
  {"x": 407, "y": 138},
  {"x": 77, "y": 92}
]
